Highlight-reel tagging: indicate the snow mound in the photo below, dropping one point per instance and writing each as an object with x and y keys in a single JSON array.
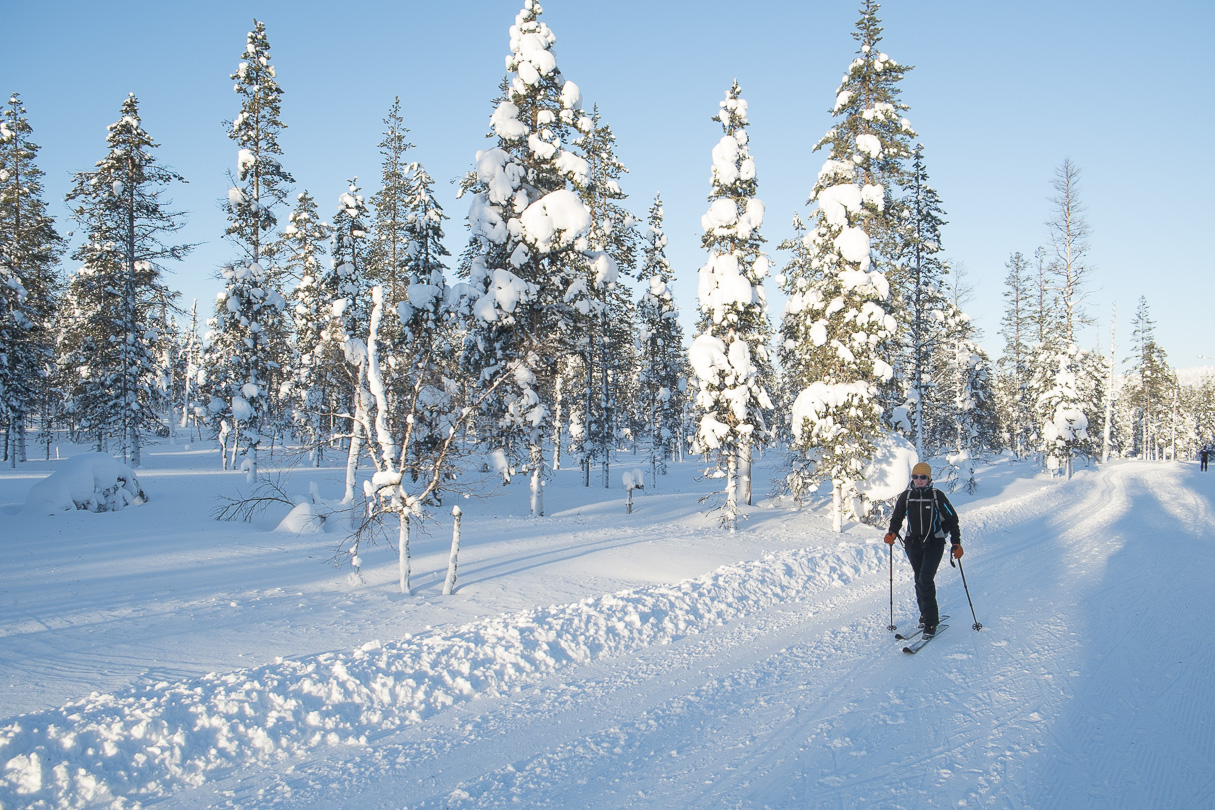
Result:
[
  {"x": 96, "y": 482},
  {"x": 303, "y": 519},
  {"x": 151, "y": 741}
]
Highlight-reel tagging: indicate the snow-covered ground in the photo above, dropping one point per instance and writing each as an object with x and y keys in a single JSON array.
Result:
[{"x": 591, "y": 658}]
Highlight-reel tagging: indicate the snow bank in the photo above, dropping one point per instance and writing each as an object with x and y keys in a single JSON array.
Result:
[
  {"x": 303, "y": 519},
  {"x": 96, "y": 482},
  {"x": 151, "y": 741}
]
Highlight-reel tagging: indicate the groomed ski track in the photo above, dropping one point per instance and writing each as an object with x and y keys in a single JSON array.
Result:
[
  {"x": 1087, "y": 687},
  {"x": 769, "y": 683}
]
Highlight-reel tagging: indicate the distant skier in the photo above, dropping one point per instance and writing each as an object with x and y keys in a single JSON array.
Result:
[
  {"x": 1202, "y": 457},
  {"x": 930, "y": 517}
]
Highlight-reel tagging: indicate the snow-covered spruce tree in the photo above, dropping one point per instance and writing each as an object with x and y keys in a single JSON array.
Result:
[
  {"x": 527, "y": 247},
  {"x": 1013, "y": 366},
  {"x": 1111, "y": 392},
  {"x": 730, "y": 355},
  {"x": 1062, "y": 408},
  {"x": 249, "y": 336},
  {"x": 660, "y": 348},
  {"x": 607, "y": 328},
  {"x": 169, "y": 344},
  {"x": 797, "y": 273},
  {"x": 837, "y": 329},
  {"x": 301, "y": 249},
  {"x": 192, "y": 363},
  {"x": 969, "y": 428},
  {"x": 1152, "y": 385},
  {"x": 870, "y": 120},
  {"x": 121, "y": 207},
  {"x": 387, "y": 254},
  {"x": 1061, "y": 366},
  {"x": 30, "y": 248},
  {"x": 425, "y": 254},
  {"x": 922, "y": 270},
  {"x": 422, "y": 348},
  {"x": 345, "y": 288},
  {"x": 239, "y": 366}
]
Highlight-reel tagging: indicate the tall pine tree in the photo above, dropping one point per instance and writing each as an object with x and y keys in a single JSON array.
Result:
[
  {"x": 527, "y": 246},
  {"x": 661, "y": 383},
  {"x": 30, "y": 248},
  {"x": 249, "y": 335},
  {"x": 121, "y": 206}
]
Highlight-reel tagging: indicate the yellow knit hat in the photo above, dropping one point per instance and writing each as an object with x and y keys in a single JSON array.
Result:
[{"x": 922, "y": 469}]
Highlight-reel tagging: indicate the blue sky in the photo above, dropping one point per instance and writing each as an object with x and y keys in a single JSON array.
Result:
[{"x": 1000, "y": 95}]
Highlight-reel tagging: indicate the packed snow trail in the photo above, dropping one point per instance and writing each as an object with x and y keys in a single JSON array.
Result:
[
  {"x": 1087, "y": 687},
  {"x": 771, "y": 683}
]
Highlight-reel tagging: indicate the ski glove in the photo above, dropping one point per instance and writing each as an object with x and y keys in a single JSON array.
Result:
[
  {"x": 889, "y": 538},
  {"x": 957, "y": 551}
]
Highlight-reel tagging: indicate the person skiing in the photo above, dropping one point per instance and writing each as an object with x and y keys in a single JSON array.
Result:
[
  {"x": 1203, "y": 457},
  {"x": 930, "y": 518}
]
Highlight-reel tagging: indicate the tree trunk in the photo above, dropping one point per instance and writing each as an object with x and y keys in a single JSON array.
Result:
[
  {"x": 732, "y": 491},
  {"x": 403, "y": 551},
  {"x": 537, "y": 480},
  {"x": 744, "y": 471},
  {"x": 837, "y": 505},
  {"x": 449, "y": 584}
]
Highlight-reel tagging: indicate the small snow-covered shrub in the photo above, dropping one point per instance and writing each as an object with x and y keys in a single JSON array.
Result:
[
  {"x": 303, "y": 519},
  {"x": 96, "y": 482}
]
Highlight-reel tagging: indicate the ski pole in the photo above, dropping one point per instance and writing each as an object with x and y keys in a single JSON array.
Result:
[
  {"x": 891, "y": 626},
  {"x": 962, "y": 571}
]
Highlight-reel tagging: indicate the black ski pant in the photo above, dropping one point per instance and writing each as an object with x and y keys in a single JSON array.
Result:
[{"x": 925, "y": 554}]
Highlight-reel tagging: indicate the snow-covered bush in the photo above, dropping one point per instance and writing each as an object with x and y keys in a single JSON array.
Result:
[{"x": 96, "y": 482}]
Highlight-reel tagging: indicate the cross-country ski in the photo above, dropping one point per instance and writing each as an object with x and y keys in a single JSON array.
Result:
[
  {"x": 915, "y": 633},
  {"x": 918, "y": 644}
]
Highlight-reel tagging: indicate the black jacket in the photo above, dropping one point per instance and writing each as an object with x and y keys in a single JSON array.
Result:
[{"x": 929, "y": 514}]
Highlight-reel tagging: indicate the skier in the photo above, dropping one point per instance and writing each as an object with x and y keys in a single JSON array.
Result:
[
  {"x": 1203, "y": 457},
  {"x": 930, "y": 516}
]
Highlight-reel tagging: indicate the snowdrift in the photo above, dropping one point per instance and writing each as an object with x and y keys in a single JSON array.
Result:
[
  {"x": 93, "y": 482},
  {"x": 147, "y": 742}
]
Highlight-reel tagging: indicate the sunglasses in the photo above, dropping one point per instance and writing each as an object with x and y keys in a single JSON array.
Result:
[{"x": 920, "y": 477}]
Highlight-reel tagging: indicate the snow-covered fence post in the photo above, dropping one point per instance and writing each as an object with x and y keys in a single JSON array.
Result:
[
  {"x": 632, "y": 479},
  {"x": 450, "y": 584}
]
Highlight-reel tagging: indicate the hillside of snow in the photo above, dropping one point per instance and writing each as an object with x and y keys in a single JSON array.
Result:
[{"x": 155, "y": 656}]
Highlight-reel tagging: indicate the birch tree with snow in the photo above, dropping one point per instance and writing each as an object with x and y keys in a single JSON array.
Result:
[
  {"x": 413, "y": 413},
  {"x": 730, "y": 355},
  {"x": 527, "y": 247}
]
